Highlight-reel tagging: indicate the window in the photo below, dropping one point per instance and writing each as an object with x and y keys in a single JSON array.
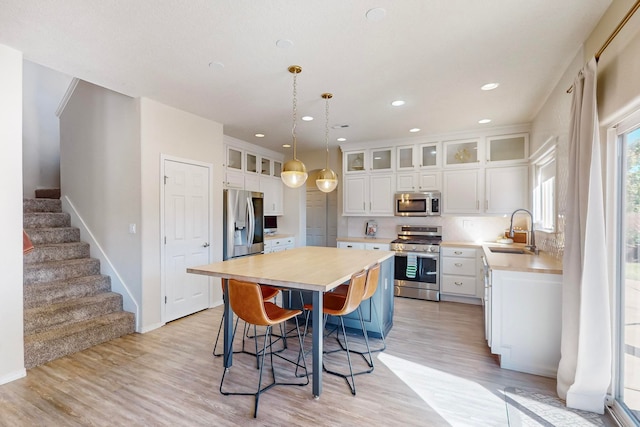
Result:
[
  {"x": 544, "y": 190},
  {"x": 627, "y": 289}
]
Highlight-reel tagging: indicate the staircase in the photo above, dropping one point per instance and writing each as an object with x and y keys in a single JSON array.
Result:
[{"x": 68, "y": 304}]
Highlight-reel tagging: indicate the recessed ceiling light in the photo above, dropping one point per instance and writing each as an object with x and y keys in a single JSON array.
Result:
[
  {"x": 259, "y": 135},
  {"x": 307, "y": 118},
  {"x": 284, "y": 43},
  {"x": 490, "y": 86},
  {"x": 397, "y": 103},
  {"x": 286, "y": 145},
  {"x": 484, "y": 121},
  {"x": 342, "y": 139},
  {"x": 376, "y": 14},
  {"x": 414, "y": 130},
  {"x": 215, "y": 65}
]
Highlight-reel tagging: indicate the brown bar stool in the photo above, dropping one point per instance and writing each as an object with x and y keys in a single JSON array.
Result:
[
  {"x": 247, "y": 302},
  {"x": 373, "y": 275},
  {"x": 339, "y": 306},
  {"x": 268, "y": 293}
]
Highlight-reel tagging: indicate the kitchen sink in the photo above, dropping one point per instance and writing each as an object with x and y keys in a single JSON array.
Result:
[{"x": 503, "y": 250}]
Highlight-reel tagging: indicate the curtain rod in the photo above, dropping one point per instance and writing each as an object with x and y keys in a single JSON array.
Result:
[{"x": 613, "y": 35}]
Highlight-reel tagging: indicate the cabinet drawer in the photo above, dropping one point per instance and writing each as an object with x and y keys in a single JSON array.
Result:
[
  {"x": 459, "y": 266},
  {"x": 351, "y": 245},
  {"x": 463, "y": 285},
  {"x": 458, "y": 252}
]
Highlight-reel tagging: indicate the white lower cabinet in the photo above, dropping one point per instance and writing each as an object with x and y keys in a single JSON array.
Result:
[
  {"x": 526, "y": 319},
  {"x": 351, "y": 245},
  {"x": 460, "y": 273},
  {"x": 278, "y": 244}
]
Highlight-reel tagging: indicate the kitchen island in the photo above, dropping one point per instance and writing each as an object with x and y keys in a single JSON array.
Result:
[
  {"x": 310, "y": 268},
  {"x": 523, "y": 309}
]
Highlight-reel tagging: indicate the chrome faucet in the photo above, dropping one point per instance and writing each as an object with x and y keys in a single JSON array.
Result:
[{"x": 532, "y": 246}]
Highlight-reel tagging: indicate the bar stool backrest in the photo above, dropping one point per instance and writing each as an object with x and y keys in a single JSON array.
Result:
[
  {"x": 247, "y": 303},
  {"x": 372, "y": 281},
  {"x": 355, "y": 293}
]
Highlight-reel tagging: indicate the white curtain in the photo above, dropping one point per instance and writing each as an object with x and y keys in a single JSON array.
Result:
[{"x": 584, "y": 372}]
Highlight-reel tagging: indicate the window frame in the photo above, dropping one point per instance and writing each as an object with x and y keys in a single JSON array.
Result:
[{"x": 544, "y": 158}]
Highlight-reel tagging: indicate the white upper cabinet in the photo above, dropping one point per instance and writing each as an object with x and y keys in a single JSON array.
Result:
[
  {"x": 234, "y": 158},
  {"x": 506, "y": 189},
  {"x": 405, "y": 158},
  {"x": 419, "y": 181},
  {"x": 252, "y": 163},
  {"x": 373, "y": 160},
  {"x": 273, "y": 195},
  {"x": 462, "y": 153},
  {"x": 505, "y": 149},
  {"x": 430, "y": 155},
  {"x": 461, "y": 192},
  {"x": 354, "y": 162},
  {"x": 368, "y": 194},
  {"x": 381, "y": 159},
  {"x": 265, "y": 168}
]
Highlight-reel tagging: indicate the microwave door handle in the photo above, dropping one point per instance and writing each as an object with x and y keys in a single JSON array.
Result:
[{"x": 252, "y": 222}]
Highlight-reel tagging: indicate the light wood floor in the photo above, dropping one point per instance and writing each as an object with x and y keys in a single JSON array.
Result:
[{"x": 443, "y": 374}]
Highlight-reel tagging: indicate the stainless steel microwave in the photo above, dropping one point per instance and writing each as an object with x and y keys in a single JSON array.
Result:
[{"x": 417, "y": 204}]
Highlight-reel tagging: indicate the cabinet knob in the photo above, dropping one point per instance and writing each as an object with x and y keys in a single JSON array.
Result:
[{"x": 458, "y": 283}]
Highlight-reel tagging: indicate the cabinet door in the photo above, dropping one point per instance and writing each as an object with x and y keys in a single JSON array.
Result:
[
  {"x": 251, "y": 182},
  {"x": 351, "y": 245},
  {"x": 381, "y": 159},
  {"x": 406, "y": 182},
  {"x": 381, "y": 194},
  {"x": 272, "y": 189},
  {"x": 234, "y": 180},
  {"x": 508, "y": 148},
  {"x": 354, "y": 162},
  {"x": 355, "y": 194},
  {"x": 405, "y": 158},
  {"x": 507, "y": 189},
  {"x": 234, "y": 158},
  {"x": 429, "y": 155},
  {"x": 430, "y": 181},
  {"x": 265, "y": 166},
  {"x": 461, "y": 192},
  {"x": 252, "y": 163},
  {"x": 277, "y": 168},
  {"x": 461, "y": 152}
]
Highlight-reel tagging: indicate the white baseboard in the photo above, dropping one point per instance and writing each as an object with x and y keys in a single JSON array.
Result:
[
  {"x": 20, "y": 373},
  {"x": 150, "y": 328}
]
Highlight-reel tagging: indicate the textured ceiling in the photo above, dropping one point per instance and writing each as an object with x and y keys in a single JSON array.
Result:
[{"x": 433, "y": 54}]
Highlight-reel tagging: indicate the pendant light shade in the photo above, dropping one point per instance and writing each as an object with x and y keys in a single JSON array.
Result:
[
  {"x": 294, "y": 173},
  {"x": 327, "y": 181}
]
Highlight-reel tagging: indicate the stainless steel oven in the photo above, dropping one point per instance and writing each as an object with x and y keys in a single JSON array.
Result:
[{"x": 417, "y": 262}]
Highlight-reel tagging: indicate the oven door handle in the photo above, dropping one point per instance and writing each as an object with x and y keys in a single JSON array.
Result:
[{"x": 419, "y": 254}]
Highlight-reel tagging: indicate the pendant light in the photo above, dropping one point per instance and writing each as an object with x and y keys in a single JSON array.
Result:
[
  {"x": 294, "y": 173},
  {"x": 327, "y": 180}
]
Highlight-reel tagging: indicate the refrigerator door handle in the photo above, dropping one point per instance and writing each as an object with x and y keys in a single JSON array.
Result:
[{"x": 252, "y": 222}]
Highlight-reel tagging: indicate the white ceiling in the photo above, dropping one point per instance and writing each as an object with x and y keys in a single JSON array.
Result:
[{"x": 434, "y": 54}]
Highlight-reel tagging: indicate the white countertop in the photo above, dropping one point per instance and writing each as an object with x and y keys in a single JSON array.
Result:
[
  {"x": 541, "y": 263},
  {"x": 366, "y": 239}
]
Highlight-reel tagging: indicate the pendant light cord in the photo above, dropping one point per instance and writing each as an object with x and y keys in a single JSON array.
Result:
[
  {"x": 326, "y": 131},
  {"x": 295, "y": 110}
]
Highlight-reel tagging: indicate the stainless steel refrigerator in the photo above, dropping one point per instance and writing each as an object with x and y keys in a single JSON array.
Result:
[{"x": 243, "y": 223}]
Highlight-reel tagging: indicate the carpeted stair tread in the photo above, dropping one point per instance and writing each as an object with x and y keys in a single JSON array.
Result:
[
  {"x": 43, "y": 236},
  {"x": 57, "y": 252},
  {"x": 38, "y": 294},
  {"x": 41, "y": 205},
  {"x": 46, "y": 220},
  {"x": 61, "y": 341},
  {"x": 77, "y": 310},
  {"x": 41, "y": 272},
  {"x": 48, "y": 193}
]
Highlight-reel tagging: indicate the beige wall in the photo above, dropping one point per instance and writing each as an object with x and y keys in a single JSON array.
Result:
[
  {"x": 168, "y": 131},
  {"x": 43, "y": 89},
  {"x": 11, "y": 335},
  {"x": 100, "y": 176}
]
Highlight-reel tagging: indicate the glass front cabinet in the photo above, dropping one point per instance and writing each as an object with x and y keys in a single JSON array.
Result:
[{"x": 508, "y": 148}]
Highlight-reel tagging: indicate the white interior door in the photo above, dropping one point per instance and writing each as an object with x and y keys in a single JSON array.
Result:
[
  {"x": 316, "y": 218},
  {"x": 186, "y": 231}
]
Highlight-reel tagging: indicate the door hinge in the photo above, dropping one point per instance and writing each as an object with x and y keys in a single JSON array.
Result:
[{"x": 165, "y": 179}]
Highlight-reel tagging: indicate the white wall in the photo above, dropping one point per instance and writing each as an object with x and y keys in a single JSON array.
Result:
[
  {"x": 166, "y": 130},
  {"x": 43, "y": 89},
  {"x": 11, "y": 311},
  {"x": 100, "y": 174}
]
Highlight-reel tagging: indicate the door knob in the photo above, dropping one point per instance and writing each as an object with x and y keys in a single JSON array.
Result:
[{"x": 206, "y": 245}]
